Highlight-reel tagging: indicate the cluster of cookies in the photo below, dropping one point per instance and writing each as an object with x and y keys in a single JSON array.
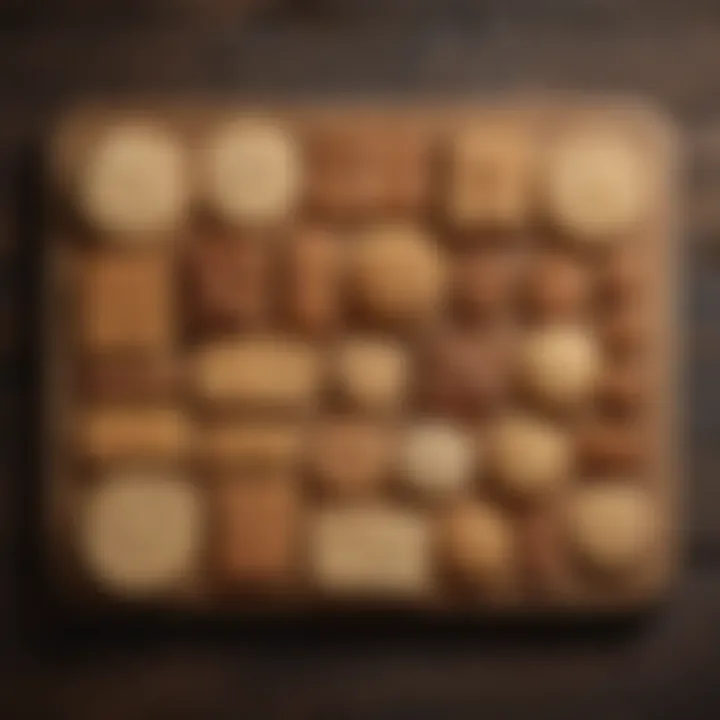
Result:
[{"x": 362, "y": 359}]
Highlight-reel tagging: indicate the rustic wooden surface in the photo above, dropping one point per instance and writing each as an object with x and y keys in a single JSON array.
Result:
[{"x": 53, "y": 53}]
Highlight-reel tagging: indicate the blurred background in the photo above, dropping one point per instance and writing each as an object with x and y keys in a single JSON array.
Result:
[{"x": 56, "y": 52}]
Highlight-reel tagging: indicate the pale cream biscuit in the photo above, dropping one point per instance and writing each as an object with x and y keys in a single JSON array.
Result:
[
  {"x": 372, "y": 373},
  {"x": 396, "y": 272},
  {"x": 476, "y": 544},
  {"x": 257, "y": 371},
  {"x": 141, "y": 532},
  {"x": 133, "y": 183},
  {"x": 613, "y": 526},
  {"x": 252, "y": 172},
  {"x": 490, "y": 175},
  {"x": 598, "y": 183},
  {"x": 351, "y": 456},
  {"x": 528, "y": 457},
  {"x": 561, "y": 364},
  {"x": 438, "y": 459},
  {"x": 370, "y": 550},
  {"x": 117, "y": 432}
]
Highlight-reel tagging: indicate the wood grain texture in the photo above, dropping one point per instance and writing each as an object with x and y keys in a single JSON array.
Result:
[{"x": 54, "y": 53}]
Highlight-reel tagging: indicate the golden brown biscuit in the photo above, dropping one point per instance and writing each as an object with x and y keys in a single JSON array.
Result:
[
  {"x": 370, "y": 551},
  {"x": 252, "y": 172},
  {"x": 560, "y": 364},
  {"x": 133, "y": 183},
  {"x": 351, "y": 456},
  {"x": 598, "y": 183},
  {"x": 437, "y": 458},
  {"x": 257, "y": 523},
  {"x": 313, "y": 280},
  {"x": 528, "y": 457},
  {"x": 267, "y": 371},
  {"x": 372, "y": 374},
  {"x": 227, "y": 282},
  {"x": 127, "y": 433},
  {"x": 141, "y": 532},
  {"x": 613, "y": 526},
  {"x": 491, "y": 169},
  {"x": 397, "y": 273},
  {"x": 477, "y": 546},
  {"x": 127, "y": 303}
]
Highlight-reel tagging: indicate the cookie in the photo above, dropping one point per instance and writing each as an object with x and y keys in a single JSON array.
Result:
[
  {"x": 263, "y": 372},
  {"x": 527, "y": 457},
  {"x": 372, "y": 374},
  {"x": 350, "y": 456},
  {"x": 126, "y": 303},
  {"x": 438, "y": 459},
  {"x": 141, "y": 533},
  {"x": 396, "y": 273},
  {"x": 313, "y": 279},
  {"x": 113, "y": 433},
  {"x": 370, "y": 551},
  {"x": 612, "y": 526},
  {"x": 133, "y": 183},
  {"x": 227, "y": 284},
  {"x": 256, "y": 522},
  {"x": 559, "y": 288},
  {"x": 490, "y": 177},
  {"x": 597, "y": 183},
  {"x": 560, "y": 364},
  {"x": 367, "y": 170},
  {"x": 252, "y": 172},
  {"x": 476, "y": 545},
  {"x": 249, "y": 443}
]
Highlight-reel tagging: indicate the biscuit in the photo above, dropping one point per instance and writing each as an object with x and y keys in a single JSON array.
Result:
[
  {"x": 527, "y": 457},
  {"x": 313, "y": 280},
  {"x": 351, "y": 456},
  {"x": 612, "y": 526},
  {"x": 249, "y": 442},
  {"x": 372, "y": 374},
  {"x": 126, "y": 302},
  {"x": 257, "y": 523},
  {"x": 396, "y": 273},
  {"x": 560, "y": 364},
  {"x": 133, "y": 183},
  {"x": 490, "y": 176},
  {"x": 437, "y": 459},
  {"x": 256, "y": 371},
  {"x": 252, "y": 172},
  {"x": 141, "y": 532},
  {"x": 370, "y": 551},
  {"x": 559, "y": 288},
  {"x": 126, "y": 433},
  {"x": 227, "y": 282},
  {"x": 598, "y": 183},
  {"x": 476, "y": 545},
  {"x": 370, "y": 170}
]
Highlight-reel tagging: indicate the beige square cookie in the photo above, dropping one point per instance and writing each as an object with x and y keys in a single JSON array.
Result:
[
  {"x": 490, "y": 174},
  {"x": 257, "y": 371},
  {"x": 257, "y": 523},
  {"x": 128, "y": 433},
  {"x": 126, "y": 302},
  {"x": 366, "y": 550}
]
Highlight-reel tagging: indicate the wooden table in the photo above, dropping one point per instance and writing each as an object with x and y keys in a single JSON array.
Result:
[{"x": 55, "y": 52}]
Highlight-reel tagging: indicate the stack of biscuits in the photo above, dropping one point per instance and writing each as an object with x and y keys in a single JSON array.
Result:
[{"x": 326, "y": 356}]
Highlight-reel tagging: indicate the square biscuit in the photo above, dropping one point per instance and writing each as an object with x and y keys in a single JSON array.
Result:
[
  {"x": 257, "y": 521},
  {"x": 129, "y": 433},
  {"x": 127, "y": 302},
  {"x": 490, "y": 175},
  {"x": 257, "y": 372},
  {"x": 370, "y": 550}
]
